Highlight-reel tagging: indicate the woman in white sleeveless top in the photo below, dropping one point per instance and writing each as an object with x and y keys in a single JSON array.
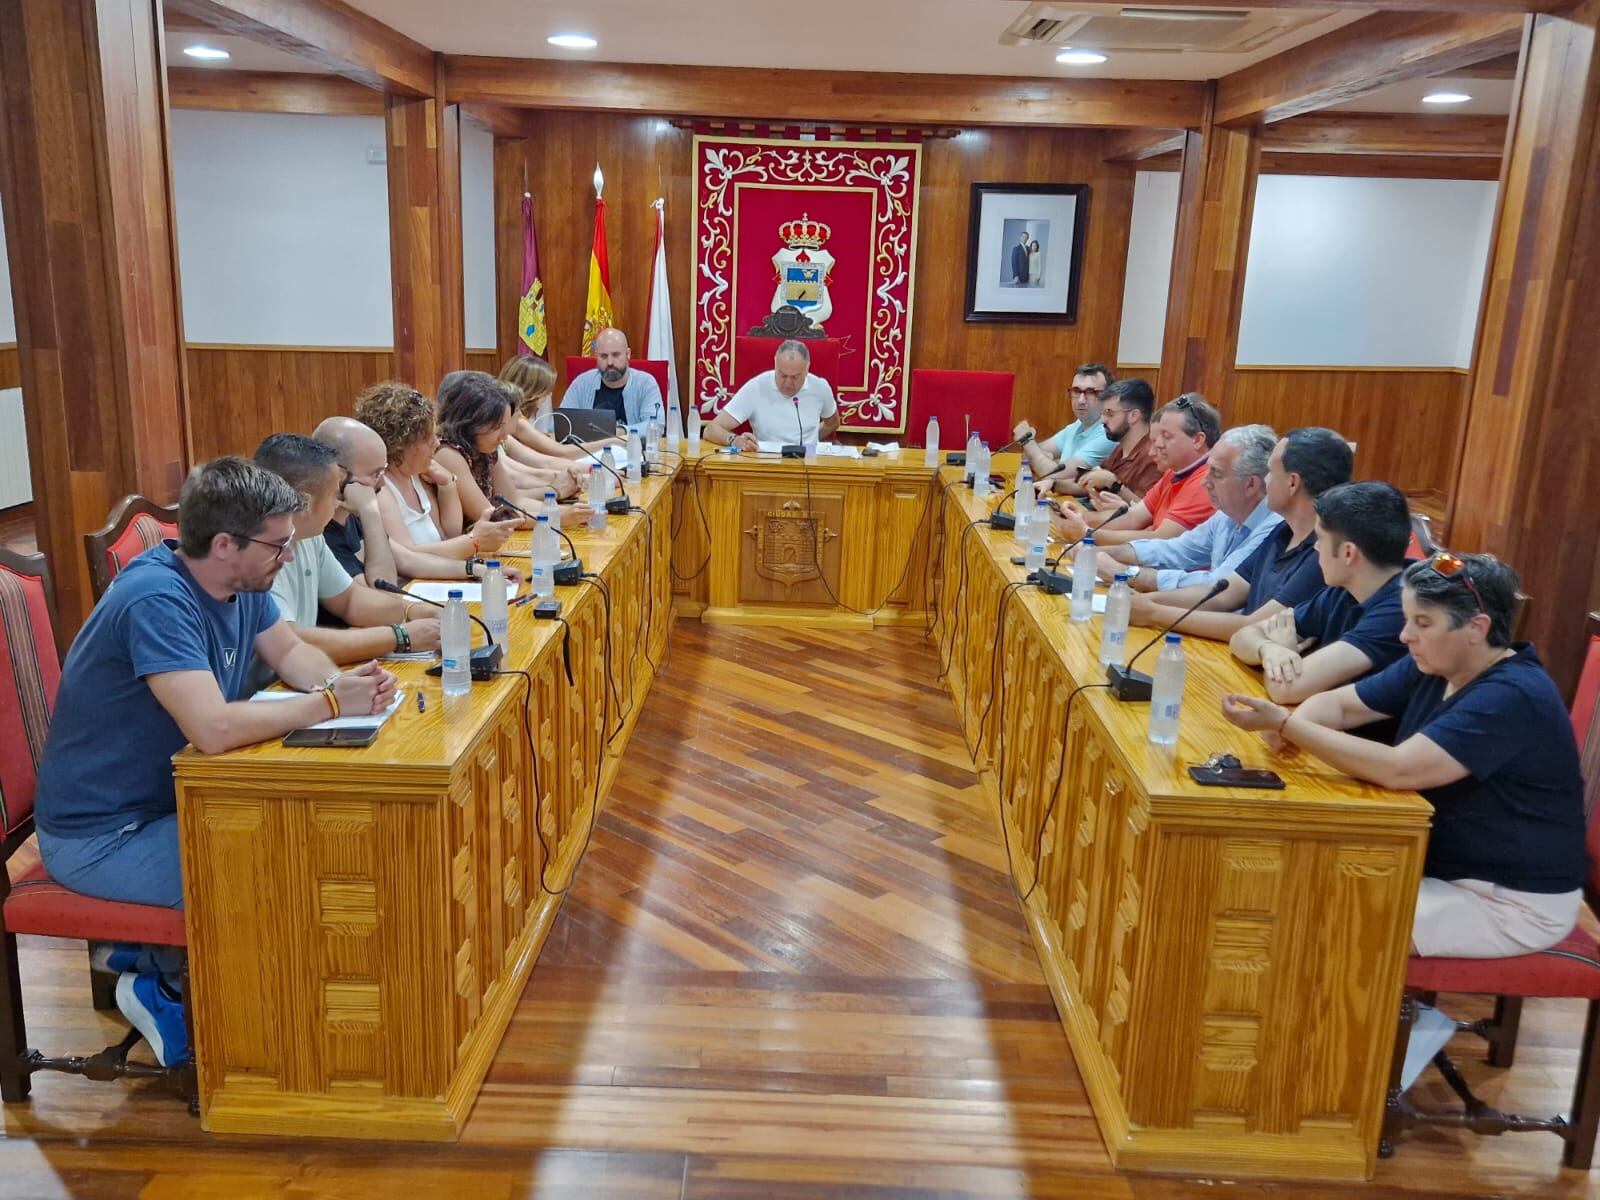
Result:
[{"x": 419, "y": 502}]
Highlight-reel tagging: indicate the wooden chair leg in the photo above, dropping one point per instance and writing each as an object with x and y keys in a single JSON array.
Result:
[
  {"x": 15, "y": 1082},
  {"x": 1507, "y": 1022},
  {"x": 1585, "y": 1097},
  {"x": 1393, "y": 1117},
  {"x": 102, "y": 985}
]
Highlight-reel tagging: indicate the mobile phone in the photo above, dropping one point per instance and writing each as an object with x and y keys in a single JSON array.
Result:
[
  {"x": 363, "y": 735},
  {"x": 1018, "y": 561},
  {"x": 504, "y": 514},
  {"x": 1240, "y": 777}
]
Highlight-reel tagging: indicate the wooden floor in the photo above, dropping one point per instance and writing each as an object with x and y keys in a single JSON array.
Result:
[{"x": 791, "y": 966}]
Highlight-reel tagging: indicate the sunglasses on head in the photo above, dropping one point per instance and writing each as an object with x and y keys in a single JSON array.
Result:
[{"x": 1451, "y": 567}]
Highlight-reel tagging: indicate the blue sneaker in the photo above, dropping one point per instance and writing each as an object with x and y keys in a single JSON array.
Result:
[
  {"x": 157, "y": 1013},
  {"x": 116, "y": 958}
]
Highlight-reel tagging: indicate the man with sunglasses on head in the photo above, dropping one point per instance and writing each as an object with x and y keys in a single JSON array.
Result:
[
  {"x": 1082, "y": 444},
  {"x": 377, "y": 623},
  {"x": 162, "y": 661},
  {"x": 1485, "y": 737}
]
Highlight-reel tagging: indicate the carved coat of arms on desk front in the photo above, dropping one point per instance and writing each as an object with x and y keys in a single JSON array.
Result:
[{"x": 789, "y": 541}]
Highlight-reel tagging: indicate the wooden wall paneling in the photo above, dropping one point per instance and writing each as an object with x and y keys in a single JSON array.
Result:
[
  {"x": 1380, "y": 166},
  {"x": 10, "y": 366},
  {"x": 1533, "y": 426},
  {"x": 1386, "y": 48},
  {"x": 1388, "y": 133},
  {"x": 336, "y": 36},
  {"x": 803, "y": 95},
  {"x": 424, "y": 149},
  {"x": 1216, "y": 203},
  {"x": 642, "y": 157},
  {"x": 86, "y": 193},
  {"x": 511, "y": 178},
  {"x": 271, "y": 91},
  {"x": 1042, "y": 356}
]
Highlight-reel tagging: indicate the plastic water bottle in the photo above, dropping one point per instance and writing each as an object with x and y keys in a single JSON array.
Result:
[
  {"x": 1166, "y": 698},
  {"x": 930, "y": 444},
  {"x": 811, "y": 452},
  {"x": 1083, "y": 572},
  {"x": 1114, "y": 625},
  {"x": 542, "y": 557},
  {"x": 980, "y": 476},
  {"x": 455, "y": 646},
  {"x": 495, "y": 614},
  {"x": 973, "y": 444},
  {"x": 551, "y": 507},
  {"x": 635, "y": 455},
  {"x": 1022, "y": 503},
  {"x": 598, "y": 476},
  {"x": 694, "y": 430},
  {"x": 674, "y": 427},
  {"x": 1037, "y": 532},
  {"x": 652, "y": 442}
]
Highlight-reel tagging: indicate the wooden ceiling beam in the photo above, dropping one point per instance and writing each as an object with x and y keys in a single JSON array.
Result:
[
  {"x": 329, "y": 33},
  {"x": 1374, "y": 52},
  {"x": 498, "y": 119},
  {"x": 270, "y": 91},
  {"x": 1137, "y": 145},
  {"x": 1346, "y": 133},
  {"x": 867, "y": 97},
  {"x": 1359, "y": 166}
]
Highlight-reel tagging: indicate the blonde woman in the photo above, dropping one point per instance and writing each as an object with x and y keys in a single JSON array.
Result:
[{"x": 532, "y": 442}]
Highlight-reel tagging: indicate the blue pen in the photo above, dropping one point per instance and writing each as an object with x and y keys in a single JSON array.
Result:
[{"x": 422, "y": 705}]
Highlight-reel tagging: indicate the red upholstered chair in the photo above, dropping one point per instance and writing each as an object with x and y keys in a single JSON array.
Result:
[
  {"x": 1568, "y": 970},
  {"x": 134, "y": 526},
  {"x": 952, "y": 396},
  {"x": 753, "y": 355},
  {"x": 656, "y": 368},
  {"x": 30, "y": 901}
]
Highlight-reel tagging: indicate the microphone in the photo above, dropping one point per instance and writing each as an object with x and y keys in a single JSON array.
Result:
[
  {"x": 1022, "y": 441},
  {"x": 484, "y": 660},
  {"x": 798, "y": 450},
  {"x": 618, "y": 505},
  {"x": 565, "y": 572},
  {"x": 1128, "y": 684},
  {"x": 1059, "y": 583},
  {"x": 1000, "y": 520}
]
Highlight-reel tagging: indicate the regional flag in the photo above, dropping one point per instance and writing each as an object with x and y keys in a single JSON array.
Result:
[
  {"x": 597, "y": 311},
  {"x": 658, "y": 334},
  {"x": 531, "y": 329}
]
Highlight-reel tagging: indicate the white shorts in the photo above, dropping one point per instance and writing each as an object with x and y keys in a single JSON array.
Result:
[{"x": 1468, "y": 918}]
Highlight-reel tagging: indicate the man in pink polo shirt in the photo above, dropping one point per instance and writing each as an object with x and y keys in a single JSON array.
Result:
[{"x": 1182, "y": 435}]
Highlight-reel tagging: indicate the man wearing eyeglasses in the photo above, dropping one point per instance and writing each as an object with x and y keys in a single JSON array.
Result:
[
  {"x": 378, "y": 623},
  {"x": 162, "y": 661},
  {"x": 1082, "y": 444}
]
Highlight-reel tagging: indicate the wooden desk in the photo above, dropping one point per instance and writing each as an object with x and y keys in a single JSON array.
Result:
[
  {"x": 361, "y": 922},
  {"x": 747, "y": 524},
  {"x": 1227, "y": 963}
]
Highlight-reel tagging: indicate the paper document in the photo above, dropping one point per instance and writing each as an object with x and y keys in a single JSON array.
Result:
[
  {"x": 890, "y": 448},
  {"x": 439, "y": 590},
  {"x": 824, "y": 449},
  {"x": 366, "y": 721}
]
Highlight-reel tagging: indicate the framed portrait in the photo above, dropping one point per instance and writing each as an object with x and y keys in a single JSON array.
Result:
[{"x": 1025, "y": 252}]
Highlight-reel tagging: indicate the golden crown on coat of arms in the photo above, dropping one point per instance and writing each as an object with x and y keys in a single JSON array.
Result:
[{"x": 805, "y": 233}]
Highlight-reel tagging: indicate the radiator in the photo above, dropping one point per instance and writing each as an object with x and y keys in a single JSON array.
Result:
[{"x": 15, "y": 485}]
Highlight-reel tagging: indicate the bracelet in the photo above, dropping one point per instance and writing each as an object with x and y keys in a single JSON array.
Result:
[
  {"x": 1283, "y": 723},
  {"x": 402, "y": 639},
  {"x": 474, "y": 539},
  {"x": 333, "y": 701}
]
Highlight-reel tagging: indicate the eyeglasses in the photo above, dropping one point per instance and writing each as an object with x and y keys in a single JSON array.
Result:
[
  {"x": 1087, "y": 393},
  {"x": 277, "y": 547},
  {"x": 371, "y": 478},
  {"x": 1448, "y": 565}
]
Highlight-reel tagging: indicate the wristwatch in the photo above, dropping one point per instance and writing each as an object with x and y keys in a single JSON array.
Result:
[
  {"x": 328, "y": 682},
  {"x": 1133, "y": 571},
  {"x": 473, "y": 562}
]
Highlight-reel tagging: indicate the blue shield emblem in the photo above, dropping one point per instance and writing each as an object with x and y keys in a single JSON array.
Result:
[{"x": 802, "y": 285}]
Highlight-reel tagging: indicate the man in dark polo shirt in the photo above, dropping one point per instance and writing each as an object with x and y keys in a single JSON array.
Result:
[
  {"x": 1350, "y": 628},
  {"x": 1283, "y": 571}
]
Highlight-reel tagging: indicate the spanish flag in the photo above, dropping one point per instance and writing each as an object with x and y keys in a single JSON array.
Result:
[
  {"x": 597, "y": 312},
  {"x": 531, "y": 329}
]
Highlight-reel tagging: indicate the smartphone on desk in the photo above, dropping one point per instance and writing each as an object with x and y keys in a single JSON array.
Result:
[
  {"x": 1241, "y": 777},
  {"x": 363, "y": 735}
]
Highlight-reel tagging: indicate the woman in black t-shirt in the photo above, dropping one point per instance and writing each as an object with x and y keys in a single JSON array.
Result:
[{"x": 1485, "y": 737}]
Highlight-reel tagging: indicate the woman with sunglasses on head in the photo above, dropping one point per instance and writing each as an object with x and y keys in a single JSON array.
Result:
[
  {"x": 1485, "y": 737},
  {"x": 533, "y": 442}
]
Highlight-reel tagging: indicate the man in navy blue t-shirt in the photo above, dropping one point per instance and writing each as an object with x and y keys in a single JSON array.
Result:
[
  {"x": 1483, "y": 735},
  {"x": 161, "y": 662},
  {"x": 1352, "y": 626},
  {"x": 1283, "y": 570}
]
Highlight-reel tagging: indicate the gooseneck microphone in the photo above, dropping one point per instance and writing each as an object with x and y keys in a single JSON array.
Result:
[
  {"x": 1059, "y": 583},
  {"x": 565, "y": 572},
  {"x": 1000, "y": 520},
  {"x": 484, "y": 660},
  {"x": 798, "y": 450},
  {"x": 618, "y": 505},
  {"x": 1128, "y": 684}
]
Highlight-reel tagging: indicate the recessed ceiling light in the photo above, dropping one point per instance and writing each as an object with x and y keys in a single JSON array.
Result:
[
  {"x": 572, "y": 41},
  {"x": 208, "y": 53},
  {"x": 1080, "y": 58},
  {"x": 1446, "y": 98}
]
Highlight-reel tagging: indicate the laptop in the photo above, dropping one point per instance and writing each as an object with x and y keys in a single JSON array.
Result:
[{"x": 590, "y": 424}]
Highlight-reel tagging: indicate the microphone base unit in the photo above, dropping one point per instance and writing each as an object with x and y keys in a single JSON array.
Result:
[
  {"x": 1054, "y": 583},
  {"x": 956, "y": 458},
  {"x": 618, "y": 506},
  {"x": 1002, "y": 520},
  {"x": 482, "y": 663},
  {"x": 791, "y": 451},
  {"x": 569, "y": 572},
  {"x": 1130, "y": 686}
]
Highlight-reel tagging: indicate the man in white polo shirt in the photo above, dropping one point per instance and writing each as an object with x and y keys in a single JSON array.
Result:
[{"x": 786, "y": 404}]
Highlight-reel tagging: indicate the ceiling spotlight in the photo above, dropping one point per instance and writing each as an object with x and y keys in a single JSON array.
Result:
[
  {"x": 208, "y": 53},
  {"x": 1080, "y": 58},
  {"x": 1446, "y": 98},
  {"x": 572, "y": 41}
]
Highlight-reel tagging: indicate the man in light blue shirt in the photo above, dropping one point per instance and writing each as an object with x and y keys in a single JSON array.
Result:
[
  {"x": 1082, "y": 444},
  {"x": 612, "y": 384},
  {"x": 1216, "y": 547}
]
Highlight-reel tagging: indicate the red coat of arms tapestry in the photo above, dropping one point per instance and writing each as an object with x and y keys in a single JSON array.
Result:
[{"x": 827, "y": 229}]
